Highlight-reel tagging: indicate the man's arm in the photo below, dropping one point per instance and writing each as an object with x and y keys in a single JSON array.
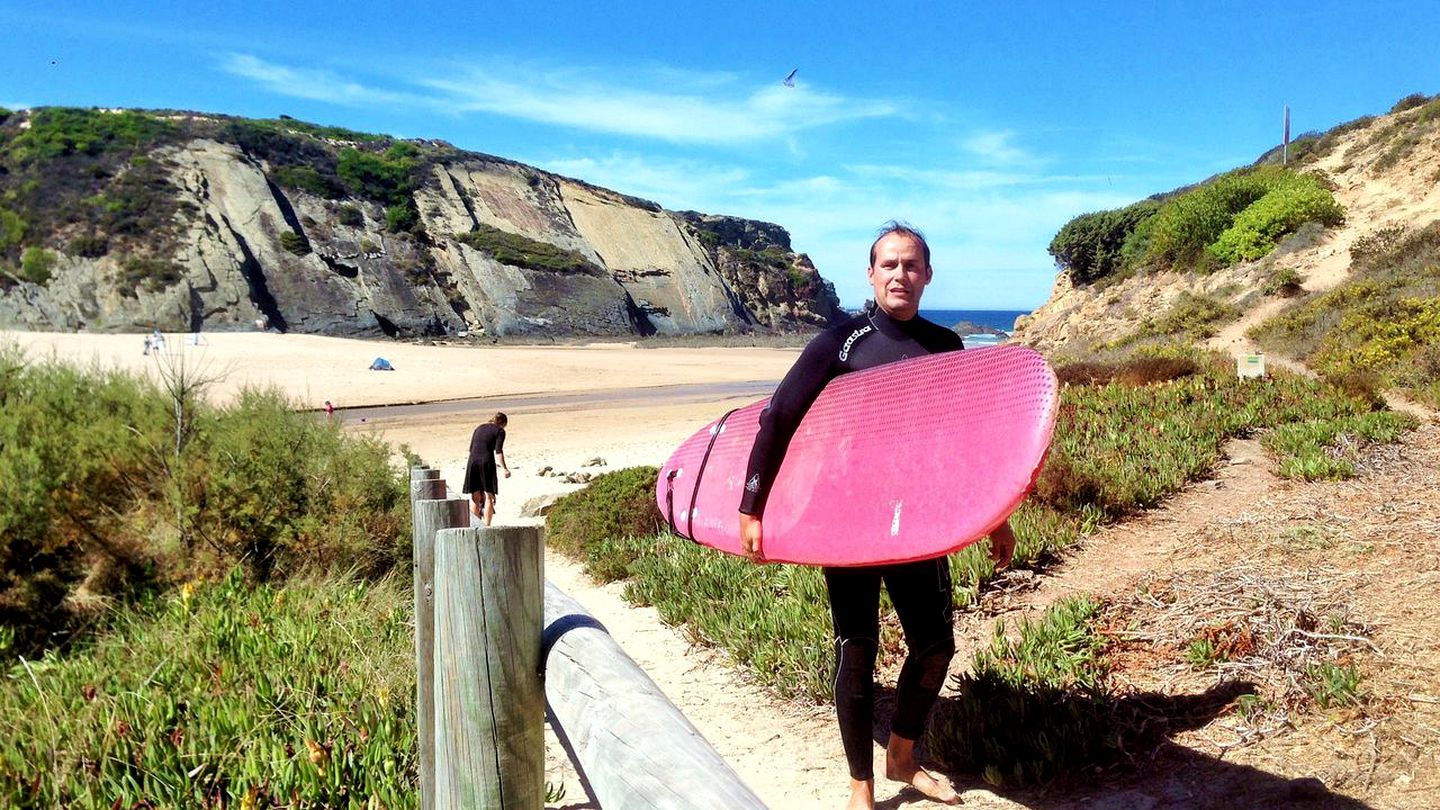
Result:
[
  {"x": 793, "y": 397},
  {"x": 802, "y": 384}
]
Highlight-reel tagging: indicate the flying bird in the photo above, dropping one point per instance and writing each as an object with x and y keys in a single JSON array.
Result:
[{"x": 790, "y": 79}]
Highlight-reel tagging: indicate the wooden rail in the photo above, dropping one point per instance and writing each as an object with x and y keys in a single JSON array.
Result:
[{"x": 495, "y": 644}]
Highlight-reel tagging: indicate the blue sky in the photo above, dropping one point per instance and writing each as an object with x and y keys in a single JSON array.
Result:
[{"x": 987, "y": 125}]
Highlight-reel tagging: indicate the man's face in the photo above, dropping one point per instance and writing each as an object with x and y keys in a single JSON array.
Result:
[{"x": 899, "y": 275}]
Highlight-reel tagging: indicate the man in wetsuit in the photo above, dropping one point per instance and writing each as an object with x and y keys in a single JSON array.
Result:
[{"x": 888, "y": 329}]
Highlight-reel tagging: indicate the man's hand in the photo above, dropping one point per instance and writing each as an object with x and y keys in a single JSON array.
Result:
[
  {"x": 751, "y": 537},
  {"x": 1002, "y": 545}
]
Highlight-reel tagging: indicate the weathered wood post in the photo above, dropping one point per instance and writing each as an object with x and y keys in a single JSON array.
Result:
[
  {"x": 430, "y": 512},
  {"x": 634, "y": 748},
  {"x": 489, "y": 703}
]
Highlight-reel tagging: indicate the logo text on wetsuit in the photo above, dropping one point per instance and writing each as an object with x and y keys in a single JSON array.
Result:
[{"x": 850, "y": 341}]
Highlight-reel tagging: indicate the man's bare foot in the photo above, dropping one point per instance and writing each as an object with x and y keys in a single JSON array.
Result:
[
  {"x": 862, "y": 795},
  {"x": 935, "y": 788},
  {"x": 900, "y": 767}
]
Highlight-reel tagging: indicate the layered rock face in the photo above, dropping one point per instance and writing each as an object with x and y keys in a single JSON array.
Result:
[{"x": 483, "y": 245}]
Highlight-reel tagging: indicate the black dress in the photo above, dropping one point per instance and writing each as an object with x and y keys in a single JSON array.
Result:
[{"x": 480, "y": 472}]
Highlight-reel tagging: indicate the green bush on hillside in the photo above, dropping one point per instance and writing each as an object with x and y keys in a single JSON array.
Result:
[
  {"x": 1382, "y": 321},
  {"x": 522, "y": 251},
  {"x": 1091, "y": 246},
  {"x": 12, "y": 230},
  {"x": 1282, "y": 210},
  {"x": 57, "y": 132},
  {"x": 36, "y": 265}
]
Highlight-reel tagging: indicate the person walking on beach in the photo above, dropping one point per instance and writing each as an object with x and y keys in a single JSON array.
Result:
[
  {"x": 888, "y": 329},
  {"x": 482, "y": 480}
]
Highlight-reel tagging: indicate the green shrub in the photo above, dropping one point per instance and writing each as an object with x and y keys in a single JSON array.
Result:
[
  {"x": 120, "y": 494},
  {"x": 387, "y": 178},
  {"x": 350, "y": 215},
  {"x": 294, "y": 243},
  {"x": 308, "y": 178},
  {"x": 1241, "y": 214},
  {"x": 522, "y": 251},
  {"x": 402, "y": 217},
  {"x": 57, "y": 132},
  {"x": 153, "y": 274},
  {"x": 1285, "y": 281},
  {"x": 1091, "y": 246},
  {"x": 1194, "y": 316},
  {"x": 73, "y": 457},
  {"x": 286, "y": 494},
  {"x": 1290, "y": 203},
  {"x": 614, "y": 506},
  {"x": 36, "y": 265},
  {"x": 12, "y": 229}
]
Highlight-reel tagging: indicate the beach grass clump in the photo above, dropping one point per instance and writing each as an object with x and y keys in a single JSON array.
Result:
[
  {"x": 1031, "y": 708},
  {"x": 115, "y": 487},
  {"x": 223, "y": 694},
  {"x": 1329, "y": 449},
  {"x": 595, "y": 523}
]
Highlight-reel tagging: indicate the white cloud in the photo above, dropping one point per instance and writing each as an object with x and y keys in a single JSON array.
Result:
[
  {"x": 657, "y": 102},
  {"x": 310, "y": 83},
  {"x": 997, "y": 148},
  {"x": 667, "y": 104}
]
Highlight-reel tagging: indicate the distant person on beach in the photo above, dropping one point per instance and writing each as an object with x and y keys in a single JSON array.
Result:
[
  {"x": 888, "y": 329},
  {"x": 147, "y": 345},
  {"x": 482, "y": 480},
  {"x": 329, "y": 409}
]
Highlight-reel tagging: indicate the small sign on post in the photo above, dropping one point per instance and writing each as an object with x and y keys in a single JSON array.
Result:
[{"x": 1250, "y": 365}]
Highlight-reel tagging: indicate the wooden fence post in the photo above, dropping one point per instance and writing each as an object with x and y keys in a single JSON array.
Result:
[
  {"x": 634, "y": 748},
  {"x": 489, "y": 703},
  {"x": 430, "y": 512}
]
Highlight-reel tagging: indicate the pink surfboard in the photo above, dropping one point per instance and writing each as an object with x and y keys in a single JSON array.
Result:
[{"x": 905, "y": 461}]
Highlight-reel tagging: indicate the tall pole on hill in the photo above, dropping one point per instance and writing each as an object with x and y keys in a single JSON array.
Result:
[{"x": 1285, "y": 140}]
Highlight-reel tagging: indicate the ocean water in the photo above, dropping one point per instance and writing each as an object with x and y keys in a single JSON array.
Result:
[{"x": 1002, "y": 319}]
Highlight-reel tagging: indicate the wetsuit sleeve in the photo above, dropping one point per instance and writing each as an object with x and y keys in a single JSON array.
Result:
[
  {"x": 500, "y": 441},
  {"x": 818, "y": 364}
]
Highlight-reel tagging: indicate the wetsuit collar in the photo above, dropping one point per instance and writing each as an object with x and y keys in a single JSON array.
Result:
[{"x": 888, "y": 326}]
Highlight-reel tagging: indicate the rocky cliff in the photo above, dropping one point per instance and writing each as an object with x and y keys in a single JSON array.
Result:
[{"x": 127, "y": 220}]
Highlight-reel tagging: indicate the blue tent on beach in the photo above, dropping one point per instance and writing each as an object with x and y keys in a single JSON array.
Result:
[{"x": 381, "y": 364}]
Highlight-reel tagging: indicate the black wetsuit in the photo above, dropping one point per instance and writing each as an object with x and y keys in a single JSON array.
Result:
[
  {"x": 920, "y": 591},
  {"x": 480, "y": 472}
]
